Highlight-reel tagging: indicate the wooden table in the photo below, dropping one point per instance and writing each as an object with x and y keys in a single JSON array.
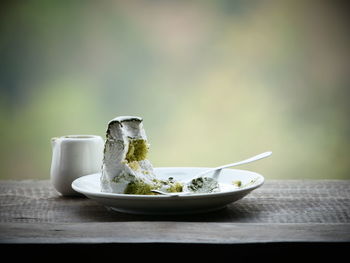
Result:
[{"x": 312, "y": 215}]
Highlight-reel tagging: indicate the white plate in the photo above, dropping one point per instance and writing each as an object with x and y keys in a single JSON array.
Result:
[{"x": 89, "y": 185}]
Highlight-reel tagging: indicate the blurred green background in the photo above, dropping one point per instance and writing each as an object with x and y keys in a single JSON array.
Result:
[{"x": 215, "y": 81}]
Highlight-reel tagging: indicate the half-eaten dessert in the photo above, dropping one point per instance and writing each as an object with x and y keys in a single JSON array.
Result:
[{"x": 126, "y": 169}]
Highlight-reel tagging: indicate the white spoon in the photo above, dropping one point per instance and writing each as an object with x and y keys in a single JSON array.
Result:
[{"x": 216, "y": 170}]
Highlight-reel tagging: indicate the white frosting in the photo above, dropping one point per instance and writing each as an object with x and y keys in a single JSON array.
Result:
[{"x": 202, "y": 184}]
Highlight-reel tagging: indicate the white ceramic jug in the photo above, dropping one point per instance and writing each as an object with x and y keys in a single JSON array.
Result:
[{"x": 74, "y": 156}]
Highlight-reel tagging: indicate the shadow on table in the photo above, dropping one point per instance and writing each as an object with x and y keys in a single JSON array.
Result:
[{"x": 235, "y": 212}]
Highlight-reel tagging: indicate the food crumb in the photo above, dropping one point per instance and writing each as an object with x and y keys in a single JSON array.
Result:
[{"x": 237, "y": 183}]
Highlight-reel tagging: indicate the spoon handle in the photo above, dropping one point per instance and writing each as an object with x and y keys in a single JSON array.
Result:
[
  {"x": 169, "y": 194},
  {"x": 249, "y": 160}
]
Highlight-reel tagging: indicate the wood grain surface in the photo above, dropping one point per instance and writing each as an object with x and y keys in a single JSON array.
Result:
[{"x": 280, "y": 211}]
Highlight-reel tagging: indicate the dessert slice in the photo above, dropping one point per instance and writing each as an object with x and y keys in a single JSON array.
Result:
[
  {"x": 126, "y": 169},
  {"x": 124, "y": 164}
]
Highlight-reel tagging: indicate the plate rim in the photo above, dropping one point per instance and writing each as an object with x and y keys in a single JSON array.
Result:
[{"x": 259, "y": 183}]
